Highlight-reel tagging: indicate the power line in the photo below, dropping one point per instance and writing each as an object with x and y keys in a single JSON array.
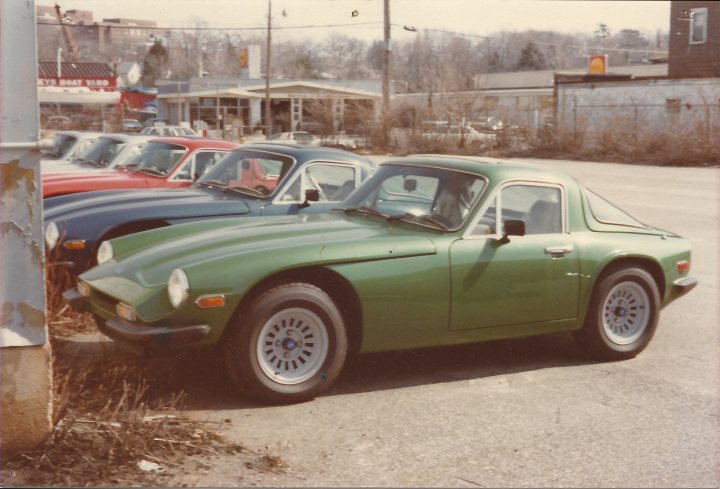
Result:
[{"x": 143, "y": 27}]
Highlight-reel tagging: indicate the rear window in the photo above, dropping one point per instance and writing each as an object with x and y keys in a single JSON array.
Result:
[{"x": 607, "y": 213}]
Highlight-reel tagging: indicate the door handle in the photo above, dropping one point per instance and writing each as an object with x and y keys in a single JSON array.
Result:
[{"x": 557, "y": 251}]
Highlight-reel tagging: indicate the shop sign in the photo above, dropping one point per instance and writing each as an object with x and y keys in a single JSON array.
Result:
[{"x": 92, "y": 83}]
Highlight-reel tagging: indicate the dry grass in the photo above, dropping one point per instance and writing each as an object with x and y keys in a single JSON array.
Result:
[
  {"x": 615, "y": 144},
  {"x": 116, "y": 421}
]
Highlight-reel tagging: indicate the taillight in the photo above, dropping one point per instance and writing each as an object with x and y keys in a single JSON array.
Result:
[{"x": 682, "y": 266}]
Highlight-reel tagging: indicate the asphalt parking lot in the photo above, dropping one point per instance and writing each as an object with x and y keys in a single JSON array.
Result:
[{"x": 520, "y": 413}]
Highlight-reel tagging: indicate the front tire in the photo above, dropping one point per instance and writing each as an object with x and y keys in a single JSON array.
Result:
[
  {"x": 622, "y": 317},
  {"x": 288, "y": 346}
]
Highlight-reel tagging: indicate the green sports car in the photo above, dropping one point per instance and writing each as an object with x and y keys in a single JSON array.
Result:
[{"x": 431, "y": 250}]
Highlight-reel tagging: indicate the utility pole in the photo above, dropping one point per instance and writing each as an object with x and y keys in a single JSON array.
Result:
[
  {"x": 386, "y": 77},
  {"x": 268, "y": 115}
]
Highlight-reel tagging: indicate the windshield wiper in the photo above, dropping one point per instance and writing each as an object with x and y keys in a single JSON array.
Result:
[
  {"x": 422, "y": 220},
  {"x": 246, "y": 190},
  {"x": 129, "y": 166},
  {"x": 364, "y": 210},
  {"x": 151, "y": 171},
  {"x": 212, "y": 183},
  {"x": 96, "y": 164}
]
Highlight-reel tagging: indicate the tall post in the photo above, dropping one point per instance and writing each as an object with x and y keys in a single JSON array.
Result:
[
  {"x": 386, "y": 77},
  {"x": 268, "y": 115},
  {"x": 59, "y": 65},
  {"x": 25, "y": 353}
]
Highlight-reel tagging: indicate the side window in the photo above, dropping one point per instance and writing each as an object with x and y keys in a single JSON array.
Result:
[
  {"x": 83, "y": 146},
  {"x": 333, "y": 182},
  {"x": 698, "y": 25},
  {"x": 539, "y": 207},
  {"x": 196, "y": 165}
]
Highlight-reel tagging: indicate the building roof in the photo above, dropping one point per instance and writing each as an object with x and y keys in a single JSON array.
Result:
[
  {"x": 544, "y": 78},
  {"x": 48, "y": 69}
]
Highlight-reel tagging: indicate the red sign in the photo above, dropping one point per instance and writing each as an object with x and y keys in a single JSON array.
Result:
[{"x": 101, "y": 84}]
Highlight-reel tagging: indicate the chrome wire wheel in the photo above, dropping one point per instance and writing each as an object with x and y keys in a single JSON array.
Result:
[
  {"x": 292, "y": 346},
  {"x": 625, "y": 313}
]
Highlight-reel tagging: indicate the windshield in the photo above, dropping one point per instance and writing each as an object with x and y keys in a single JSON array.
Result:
[
  {"x": 432, "y": 197},
  {"x": 61, "y": 145},
  {"x": 252, "y": 172},
  {"x": 157, "y": 158},
  {"x": 101, "y": 152}
]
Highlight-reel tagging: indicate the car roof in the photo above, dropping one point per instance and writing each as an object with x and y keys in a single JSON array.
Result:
[
  {"x": 303, "y": 152},
  {"x": 194, "y": 142},
  {"x": 121, "y": 136},
  {"x": 79, "y": 134},
  {"x": 490, "y": 167}
]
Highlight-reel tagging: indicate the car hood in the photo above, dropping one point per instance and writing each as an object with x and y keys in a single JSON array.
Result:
[
  {"x": 89, "y": 178},
  {"x": 177, "y": 203},
  {"x": 67, "y": 183},
  {"x": 257, "y": 246},
  {"x": 63, "y": 166}
]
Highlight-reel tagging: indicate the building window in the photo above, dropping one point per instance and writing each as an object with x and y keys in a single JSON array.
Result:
[{"x": 698, "y": 25}]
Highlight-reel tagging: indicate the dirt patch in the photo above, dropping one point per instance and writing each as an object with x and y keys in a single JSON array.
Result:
[{"x": 119, "y": 421}]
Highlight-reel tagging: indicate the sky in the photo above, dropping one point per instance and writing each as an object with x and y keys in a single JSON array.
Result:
[{"x": 364, "y": 18}]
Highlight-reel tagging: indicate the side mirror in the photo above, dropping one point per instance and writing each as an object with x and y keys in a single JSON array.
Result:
[
  {"x": 311, "y": 195},
  {"x": 513, "y": 227}
]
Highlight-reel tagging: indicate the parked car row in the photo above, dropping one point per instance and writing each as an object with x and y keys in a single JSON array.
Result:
[{"x": 290, "y": 258}]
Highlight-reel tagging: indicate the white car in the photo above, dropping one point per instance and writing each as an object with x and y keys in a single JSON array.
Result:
[
  {"x": 304, "y": 137},
  {"x": 168, "y": 131},
  {"x": 67, "y": 146},
  {"x": 106, "y": 152}
]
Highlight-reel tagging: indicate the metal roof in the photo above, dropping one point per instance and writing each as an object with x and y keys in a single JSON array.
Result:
[
  {"x": 48, "y": 69},
  {"x": 544, "y": 78}
]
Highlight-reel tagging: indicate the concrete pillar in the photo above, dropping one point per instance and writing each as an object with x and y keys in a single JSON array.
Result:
[
  {"x": 296, "y": 110},
  {"x": 255, "y": 112},
  {"x": 25, "y": 357}
]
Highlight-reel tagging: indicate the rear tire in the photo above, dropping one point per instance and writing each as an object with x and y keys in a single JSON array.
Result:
[
  {"x": 288, "y": 346},
  {"x": 622, "y": 317}
]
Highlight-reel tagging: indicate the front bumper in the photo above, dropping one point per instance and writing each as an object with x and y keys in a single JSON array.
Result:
[
  {"x": 684, "y": 285},
  {"x": 140, "y": 335}
]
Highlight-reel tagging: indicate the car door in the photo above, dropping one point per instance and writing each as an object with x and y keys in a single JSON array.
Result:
[
  {"x": 524, "y": 279},
  {"x": 333, "y": 181}
]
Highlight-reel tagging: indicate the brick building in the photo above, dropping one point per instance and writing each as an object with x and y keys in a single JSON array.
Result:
[{"x": 694, "y": 33}]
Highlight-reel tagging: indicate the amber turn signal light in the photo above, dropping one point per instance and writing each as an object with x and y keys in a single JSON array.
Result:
[{"x": 210, "y": 301}]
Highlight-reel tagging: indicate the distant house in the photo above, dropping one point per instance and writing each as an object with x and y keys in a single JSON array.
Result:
[
  {"x": 128, "y": 73},
  {"x": 694, "y": 51}
]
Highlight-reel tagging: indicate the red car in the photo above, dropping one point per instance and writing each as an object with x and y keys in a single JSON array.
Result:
[{"x": 163, "y": 162}]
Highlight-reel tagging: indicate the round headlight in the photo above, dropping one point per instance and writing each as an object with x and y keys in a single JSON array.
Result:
[
  {"x": 178, "y": 287},
  {"x": 105, "y": 252},
  {"x": 52, "y": 235}
]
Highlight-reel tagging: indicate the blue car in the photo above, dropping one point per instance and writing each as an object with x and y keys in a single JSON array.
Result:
[{"x": 260, "y": 179}]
